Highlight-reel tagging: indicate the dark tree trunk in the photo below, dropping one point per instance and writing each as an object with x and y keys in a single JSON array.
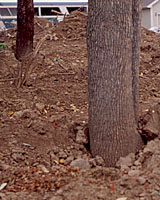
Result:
[
  {"x": 25, "y": 28},
  {"x": 113, "y": 56}
]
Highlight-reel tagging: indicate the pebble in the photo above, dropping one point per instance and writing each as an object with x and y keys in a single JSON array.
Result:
[
  {"x": 99, "y": 161},
  {"x": 62, "y": 154},
  {"x": 81, "y": 137},
  {"x": 68, "y": 160},
  {"x": 4, "y": 166},
  {"x": 125, "y": 162},
  {"x": 134, "y": 173},
  {"x": 43, "y": 168},
  {"x": 18, "y": 114},
  {"x": 81, "y": 163},
  {"x": 56, "y": 198},
  {"x": 40, "y": 106},
  {"x": 141, "y": 180}
]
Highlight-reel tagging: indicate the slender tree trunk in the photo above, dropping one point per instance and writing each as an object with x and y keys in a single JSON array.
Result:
[
  {"x": 113, "y": 54},
  {"x": 25, "y": 28},
  {"x": 136, "y": 23}
]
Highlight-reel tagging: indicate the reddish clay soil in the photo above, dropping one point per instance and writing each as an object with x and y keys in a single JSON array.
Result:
[{"x": 43, "y": 145}]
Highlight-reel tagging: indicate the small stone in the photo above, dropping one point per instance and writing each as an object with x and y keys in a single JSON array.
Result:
[
  {"x": 137, "y": 163},
  {"x": 53, "y": 157},
  {"x": 92, "y": 162},
  {"x": 18, "y": 114},
  {"x": 62, "y": 154},
  {"x": 40, "y": 106},
  {"x": 85, "y": 156},
  {"x": 4, "y": 166},
  {"x": 151, "y": 129},
  {"x": 125, "y": 162},
  {"x": 2, "y": 196},
  {"x": 55, "y": 38},
  {"x": 68, "y": 160},
  {"x": 81, "y": 163},
  {"x": 142, "y": 194},
  {"x": 18, "y": 156},
  {"x": 141, "y": 180},
  {"x": 43, "y": 168},
  {"x": 59, "y": 192},
  {"x": 133, "y": 173},
  {"x": 99, "y": 161},
  {"x": 55, "y": 150},
  {"x": 48, "y": 37},
  {"x": 81, "y": 137},
  {"x": 56, "y": 198}
]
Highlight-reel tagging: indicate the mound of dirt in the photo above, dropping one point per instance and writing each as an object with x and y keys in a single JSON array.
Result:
[{"x": 44, "y": 142}]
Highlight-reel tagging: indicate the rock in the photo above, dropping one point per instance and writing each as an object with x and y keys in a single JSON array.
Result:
[
  {"x": 43, "y": 168},
  {"x": 2, "y": 196},
  {"x": 62, "y": 154},
  {"x": 40, "y": 127},
  {"x": 81, "y": 137},
  {"x": 40, "y": 106},
  {"x": 92, "y": 162},
  {"x": 125, "y": 162},
  {"x": 81, "y": 163},
  {"x": 137, "y": 163},
  {"x": 4, "y": 166},
  {"x": 53, "y": 157},
  {"x": 56, "y": 198},
  {"x": 56, "y": 150},
  {"x": 18, "y": 156},
  {"x": 151, "y": 129},
  {"x": 99, "y": 161},
  {"x": 68, "y": 160},
  {"x": 18, "y": 114},
  {"x": 150, "y": 147},
  {"x": 27, "y": 113},
  {"x": 134, "y": 173},
  {"x": 141, "y": 180},
  {"x": 55, "y": 38}
]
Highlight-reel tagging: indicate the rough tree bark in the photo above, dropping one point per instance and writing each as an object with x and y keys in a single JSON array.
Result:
[
  {"x": 25, "y": 28},
  {"x": 113, "y": 57}
]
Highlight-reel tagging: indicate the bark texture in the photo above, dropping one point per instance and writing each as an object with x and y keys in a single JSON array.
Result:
[
  {"x": 113, "y": 56},
  {"x": 25, "y": 28}
]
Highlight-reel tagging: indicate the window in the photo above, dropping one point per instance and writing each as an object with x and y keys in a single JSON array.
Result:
[
  {"x": 71, "y": 9},
  {"x": 4, "y": 12},
  {"x": 36, "y": 12},
  {"x": 13, "y": 11},
  {"x": 49, "y": 11}
]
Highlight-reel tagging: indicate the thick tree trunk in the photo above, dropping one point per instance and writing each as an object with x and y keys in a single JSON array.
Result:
[
  {"x": 113, "y": 78},
  {"x": 25, "y": 28}
]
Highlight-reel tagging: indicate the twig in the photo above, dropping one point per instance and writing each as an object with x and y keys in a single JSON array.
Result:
[
  {"x": 29, "y": 67},
  {"x": 57, "y": 64}
]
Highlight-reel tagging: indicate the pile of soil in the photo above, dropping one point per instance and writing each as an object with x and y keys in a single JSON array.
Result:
[{"x": 44, "y": 144}]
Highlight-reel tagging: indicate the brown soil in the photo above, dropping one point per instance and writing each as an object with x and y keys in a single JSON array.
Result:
[{"x": 43, "y": 124}]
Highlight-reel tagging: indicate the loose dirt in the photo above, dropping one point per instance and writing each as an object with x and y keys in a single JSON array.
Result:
[{"x": 44, "y": 152}]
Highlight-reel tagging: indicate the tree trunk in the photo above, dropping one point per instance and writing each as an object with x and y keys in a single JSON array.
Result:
[
  {"x": 25, "y": 28},
  {"x": 113, "y": 55}
]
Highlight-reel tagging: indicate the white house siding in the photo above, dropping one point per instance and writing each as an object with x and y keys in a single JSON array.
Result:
[
  {"x": 146, "y": 18},
  {"x": 155, "y": 13}
]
